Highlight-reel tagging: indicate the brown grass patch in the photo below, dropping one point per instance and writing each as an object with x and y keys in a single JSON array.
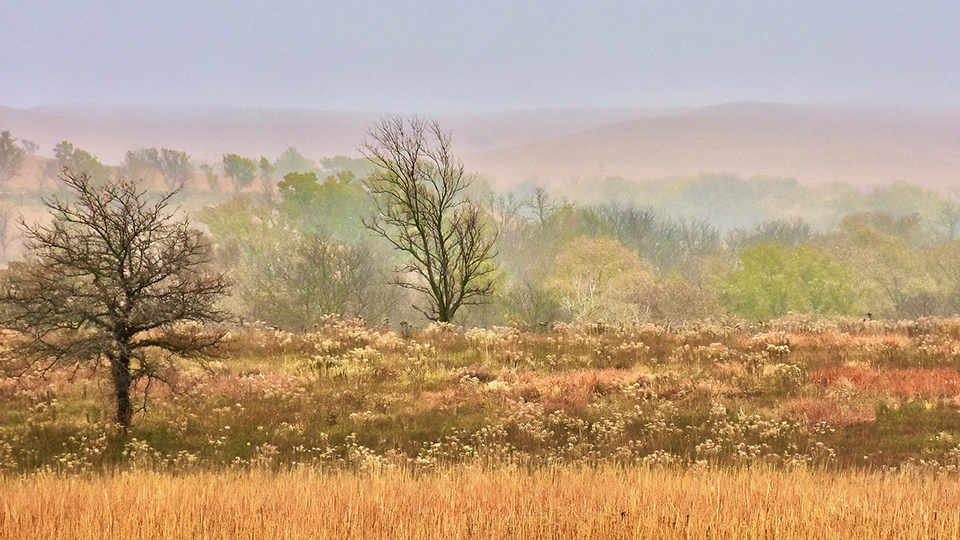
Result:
[
  {"x": 895, "y": 382},
  {"x": 815, "y": 410},
  {"x": 571, "y": 391}
]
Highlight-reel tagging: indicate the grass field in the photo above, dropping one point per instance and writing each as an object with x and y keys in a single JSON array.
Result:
[
  {"x": 489, "y": 505},
  {"x": 796, "y": 429}
]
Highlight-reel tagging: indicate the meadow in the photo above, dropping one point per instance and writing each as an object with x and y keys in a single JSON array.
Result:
[{"x": 801, "y": 427}]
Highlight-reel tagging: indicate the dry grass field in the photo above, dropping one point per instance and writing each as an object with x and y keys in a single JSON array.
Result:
[
  {"x": 800, "y": 428},
  {"x": 466, "y": 503}
]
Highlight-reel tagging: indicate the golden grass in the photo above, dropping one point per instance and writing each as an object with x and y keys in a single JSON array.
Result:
[{"x": 464, "y": 504}]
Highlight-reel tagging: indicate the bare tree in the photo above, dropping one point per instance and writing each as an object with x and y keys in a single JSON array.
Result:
[
  {"x": 113, "y": 279},
  {"x": 541, "y": 205},
  {"x": 422, "y": 211},
  {"x": 947, "y": 221}
]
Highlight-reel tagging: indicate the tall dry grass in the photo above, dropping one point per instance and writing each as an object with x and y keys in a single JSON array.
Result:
[{"x": 464, "y": 503}]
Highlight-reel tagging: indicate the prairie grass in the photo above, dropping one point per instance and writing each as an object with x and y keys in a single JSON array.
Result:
[
  {"x": 468, "y": 503},
  {"x": 797, "y": 393}
]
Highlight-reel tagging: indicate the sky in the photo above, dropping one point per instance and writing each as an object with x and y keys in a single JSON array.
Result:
[{"x": 432, "y": 56}]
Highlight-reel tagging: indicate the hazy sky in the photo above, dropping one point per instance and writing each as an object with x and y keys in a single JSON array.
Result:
[{"x": 448, "y": 56}]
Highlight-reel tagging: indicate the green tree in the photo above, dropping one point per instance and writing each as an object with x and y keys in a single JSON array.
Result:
[
  {"x": 335, "y": 206},
  {"x": 80, "y": 162},
  {"x": 113, "y": 278},
  {"x": 239, "y": 169},
  {"x": 359, "y": 167},
  {"x": 418, "y": 189},
  {"x": 11, "y": 157},
  {"x": 772, "y": 280},
  {"x": 266, "y": 175},
  {"x": 884, "y": 251}
]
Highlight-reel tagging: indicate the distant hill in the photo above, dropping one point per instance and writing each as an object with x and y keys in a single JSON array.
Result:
[{"x": 812, "y": 144}]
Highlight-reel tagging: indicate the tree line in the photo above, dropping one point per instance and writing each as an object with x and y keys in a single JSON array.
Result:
[{"x": 337, "y": 237}]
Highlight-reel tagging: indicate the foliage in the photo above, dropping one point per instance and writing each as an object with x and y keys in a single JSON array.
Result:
[
  {"x": 335, "y": 206},
  {"x": 287, "y": 272},
  {"x": 782, "y": 232},
  {"x": 598, "y": 278},
  {"x": 884, "y": 252},
  {"x": 211, "y": 176},
  {"x": 240, "y": 169},
  {"x": 11, "y": 157},
  {"x": 772, "y": 281},
  {"x": 358, "y": 167},
  {"x": 66, "y": 156},
  {"x": 140, "y": 165},
  {"x": 297, "y": 281},
  {"x": 113, "y": 278}
]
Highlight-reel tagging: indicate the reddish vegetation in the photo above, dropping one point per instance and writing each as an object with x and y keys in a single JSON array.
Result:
[
  {"x": 810, "y": 411},
  {"x": 571, "y": 391},
  {"x": 896, "y": 382}
]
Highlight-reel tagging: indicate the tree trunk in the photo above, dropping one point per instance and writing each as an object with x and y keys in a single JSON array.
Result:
[{"x": 121, "y": 388}]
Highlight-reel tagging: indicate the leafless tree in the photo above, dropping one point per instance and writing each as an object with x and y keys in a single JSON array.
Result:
[
  {"x": 422, "y": 211},
  {"x": 947, "y": 220},
  {"x": 113, "y": 279},
  {"x": 541, "y": 205}
]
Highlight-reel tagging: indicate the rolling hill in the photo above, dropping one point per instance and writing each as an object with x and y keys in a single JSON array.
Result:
[{"x": 814, "y": 144}]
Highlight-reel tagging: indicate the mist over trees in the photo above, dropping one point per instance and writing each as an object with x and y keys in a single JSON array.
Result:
[{"x": 305, "y": 239}]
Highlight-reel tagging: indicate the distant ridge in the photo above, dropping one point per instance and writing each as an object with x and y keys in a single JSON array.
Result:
[{"x": 815, "y": 144}]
